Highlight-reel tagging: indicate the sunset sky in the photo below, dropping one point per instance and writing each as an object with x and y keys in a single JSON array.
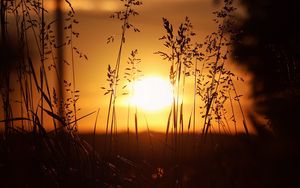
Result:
[
  {"x": 149, "y": 93},
  {"x": 95, "y": 27}
]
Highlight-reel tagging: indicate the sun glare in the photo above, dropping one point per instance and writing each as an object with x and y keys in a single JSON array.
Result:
[{"x": 152, "y": 93}]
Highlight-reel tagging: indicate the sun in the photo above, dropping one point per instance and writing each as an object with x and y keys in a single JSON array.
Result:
[{"x": 152, "y": 93}]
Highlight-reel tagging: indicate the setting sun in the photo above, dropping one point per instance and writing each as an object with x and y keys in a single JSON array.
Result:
[
  {"x": 149, "y": 93},
  {"x": 152, "y": 93}
]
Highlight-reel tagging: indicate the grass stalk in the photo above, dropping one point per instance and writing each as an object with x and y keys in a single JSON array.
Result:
[
  {"x": 233, "y": 113},
  {"x": 194, "y": 101},
  {"x": 113, "y": 94},
  {"x": 136, "y": 129},
  {"x": 60, "y": 55},
  {"x": 73, "y": 76},
  {"x": 240, "y": 107},
  {"x": 114, "y": 75}
]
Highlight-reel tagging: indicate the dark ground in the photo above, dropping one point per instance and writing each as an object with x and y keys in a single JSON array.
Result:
[
  {"x": 67, "y": 160},
  {"x": 222, "y": 161}
]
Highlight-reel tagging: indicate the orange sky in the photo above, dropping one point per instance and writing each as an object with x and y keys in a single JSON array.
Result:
[{"x": 95, "y": 27}]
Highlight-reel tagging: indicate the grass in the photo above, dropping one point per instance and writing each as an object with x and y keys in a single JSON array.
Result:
[
  {"x": 56, "y": 152},
  {"x": 213, "y": 82},
  {"x": 31, "y": 155},
  {"x": 113, "y": 74},
  {"x": 132, "y": 75},
  {"x": 224, "y": 161}
]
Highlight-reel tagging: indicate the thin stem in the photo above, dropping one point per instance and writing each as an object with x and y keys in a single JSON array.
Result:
[
  {"x": 73, "y": 76},
  {"x": 136, "y": 128},
  {"x": 194, "y": 102},
  {"x": 241, "y": 108},
  {"x": 233, "y": 113},
  {"x": 60, "y": 55},
  {"x": 113, "y": 95},
  {"x": 210, "y": 93}
]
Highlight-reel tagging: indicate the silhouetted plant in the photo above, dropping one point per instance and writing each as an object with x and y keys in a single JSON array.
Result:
[
  {"x": 34, "y": 94},
  {"x": 55, "y": 153},
  {"x": 181, "y": 56},
  {"x": 124, "y": 16},
  {"x": 214, "y": 87},
  {"x": 132, "y": 75},
  {"x": 69, "y": 28},
  {"x": 213, "y": 82}
]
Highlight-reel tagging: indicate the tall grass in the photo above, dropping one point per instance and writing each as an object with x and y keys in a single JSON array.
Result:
[
  {"x": 63, "y": 157},
  {"x": 213, "y": 81},
  {"x": 132, "y": 76},
  {"x": 180, "y": 57},
  {"x": 39, "y": 51},
  {"x": 30, "y": 22},
  {"x": 217, "y": 48},
  {"x": 38, "y": 98},
  {"x": 113, "y": 73}
]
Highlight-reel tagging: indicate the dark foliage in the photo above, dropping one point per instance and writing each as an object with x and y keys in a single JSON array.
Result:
[{"x": 269, "y": 47}]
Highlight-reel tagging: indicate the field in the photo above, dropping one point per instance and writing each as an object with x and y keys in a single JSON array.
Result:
[
  {"x": 59, "y": 129},
  {"x": 223, "y": 161}
]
